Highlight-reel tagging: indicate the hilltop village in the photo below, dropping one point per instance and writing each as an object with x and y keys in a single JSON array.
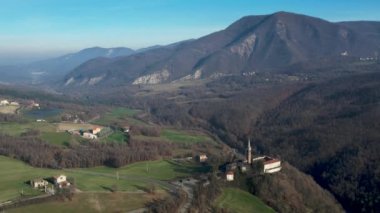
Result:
[{"x": 261, "y": 164}]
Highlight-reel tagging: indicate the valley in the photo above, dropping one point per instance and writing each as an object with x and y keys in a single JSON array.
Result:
[{"x": 274, "y": 113}]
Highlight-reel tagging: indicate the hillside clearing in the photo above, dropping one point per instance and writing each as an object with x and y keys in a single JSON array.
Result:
[{"x": 239, "y": 201}]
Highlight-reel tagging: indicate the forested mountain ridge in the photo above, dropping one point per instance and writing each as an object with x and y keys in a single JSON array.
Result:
[
  {"x": 330, "y": 130},
  {"x": 250, "y": 45}
]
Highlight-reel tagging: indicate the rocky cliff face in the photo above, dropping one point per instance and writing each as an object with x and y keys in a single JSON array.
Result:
[{"x": 154, "y": 78}]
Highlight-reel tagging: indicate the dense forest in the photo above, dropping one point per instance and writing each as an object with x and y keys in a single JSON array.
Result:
[
  {"x": 292, "y": 191},
  {"x": 327, "y": 127},
  {"x": 41, "y": 154},
  {"x": 331, "y": 131}
]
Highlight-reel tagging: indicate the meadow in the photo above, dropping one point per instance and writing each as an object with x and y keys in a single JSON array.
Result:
[
  {"x": 47, "y": 131},
  {"x": 14, "y": 174},
  {"x": 16, "y": 129},
  {"x": 184, "y": 137},
  {"x": 94, "y": 202},
  {"x": 119, "y": 115},
  {"x": 239, "y": 201}
]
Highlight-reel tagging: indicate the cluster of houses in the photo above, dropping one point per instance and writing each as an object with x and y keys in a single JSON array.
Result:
[
  {"x": 88, "y": 134},
  {"x": 59, "y": 181},
  {"x": 269, "y": 164},
  {"x": 5, "y": 102},
  {"x": 28, "y": 104}
]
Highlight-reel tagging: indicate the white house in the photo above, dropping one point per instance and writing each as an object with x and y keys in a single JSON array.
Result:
[
  {"x": 4, "y": 102},
  {"x": 126, "y": 129},
  {"x": 59, "y": 179},
  {"x": 96, "y": 130},
  {"x": 272, "y": 165},
  {"x": 38, "y": 183},
  {"x": 230, "y": 176},
  {"x": 89, "y": 135},
  {"x": 14, "y": 103},
  {"x": 202, "y": 158}
]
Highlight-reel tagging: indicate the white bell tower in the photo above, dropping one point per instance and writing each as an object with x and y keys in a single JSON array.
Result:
[{"x": 249, "y": 152}]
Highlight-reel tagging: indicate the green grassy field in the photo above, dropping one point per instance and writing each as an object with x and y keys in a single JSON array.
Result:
[
  {"x": 116, "y": 136},
  {"x": 239, "y": 201},
  {"x": 57, "y": 138},
  {"x": 15, "y": 129},
  {"x": 119, "y": 115},
  {"x": 177, "y": 136},
  {"x": 93, "y": 202},
  {"x": 159, "y": 170},
  {"x": 183, "y": 137},
  {"x": 48, "y": 131},
  {"x": 14, "y": 174}
]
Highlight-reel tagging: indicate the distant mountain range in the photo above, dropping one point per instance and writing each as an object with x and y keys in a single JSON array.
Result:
[
  {"x": 251, "y": 44},
  {"x": 57, "y": 68}
]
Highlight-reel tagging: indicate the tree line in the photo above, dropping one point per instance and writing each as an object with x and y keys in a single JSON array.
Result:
[{"x": 38, "y": 153}]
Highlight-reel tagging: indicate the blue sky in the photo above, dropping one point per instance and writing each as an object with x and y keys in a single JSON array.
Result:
[{"x": 43, "y": 27}]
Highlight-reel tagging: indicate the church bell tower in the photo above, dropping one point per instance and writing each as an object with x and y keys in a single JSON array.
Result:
[{"x": 249, "y": 152}]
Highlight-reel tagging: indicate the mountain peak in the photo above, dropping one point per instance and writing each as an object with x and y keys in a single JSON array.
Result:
[{"x": 251, "y": 44}]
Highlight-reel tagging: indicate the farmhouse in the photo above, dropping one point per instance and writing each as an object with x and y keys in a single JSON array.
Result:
[
  {"x": 38, "y": 183},
  {"x": 14, "y": 103},
  {"x": 126, "y": 129},
  {"x": 96, "y": 130},
  {"x": 61, "y": 181},
  {"x": 4, "y": 102},
  {"x": 89, "y": 135},
  {"x": 202, "y": 158},
  {"x": 230, "y": 176}
]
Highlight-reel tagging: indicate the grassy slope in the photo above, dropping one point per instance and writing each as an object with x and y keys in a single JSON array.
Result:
[
  {"x": 14, "y": 173},
  {"x": 183, "y": 137},
  {"x": 240, "y": 201},
  {"x": 57, "y": 138},
  {"x": 176, "y": 136},
  {"x": 15, "y": 129},
  {"x": 159, "y": 170},
  {"x": 116, "y": 136},
  {"x": 119, "y": 115},
  {"x": 93, "y": 202},
  {"x": 48, "y": 131}
]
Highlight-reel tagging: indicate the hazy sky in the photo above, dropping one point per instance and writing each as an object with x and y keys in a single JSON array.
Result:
[{"x": 40, "y": 27}]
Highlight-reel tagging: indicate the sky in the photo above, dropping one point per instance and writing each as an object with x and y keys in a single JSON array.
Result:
[{"x": 33, "y": 29}]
